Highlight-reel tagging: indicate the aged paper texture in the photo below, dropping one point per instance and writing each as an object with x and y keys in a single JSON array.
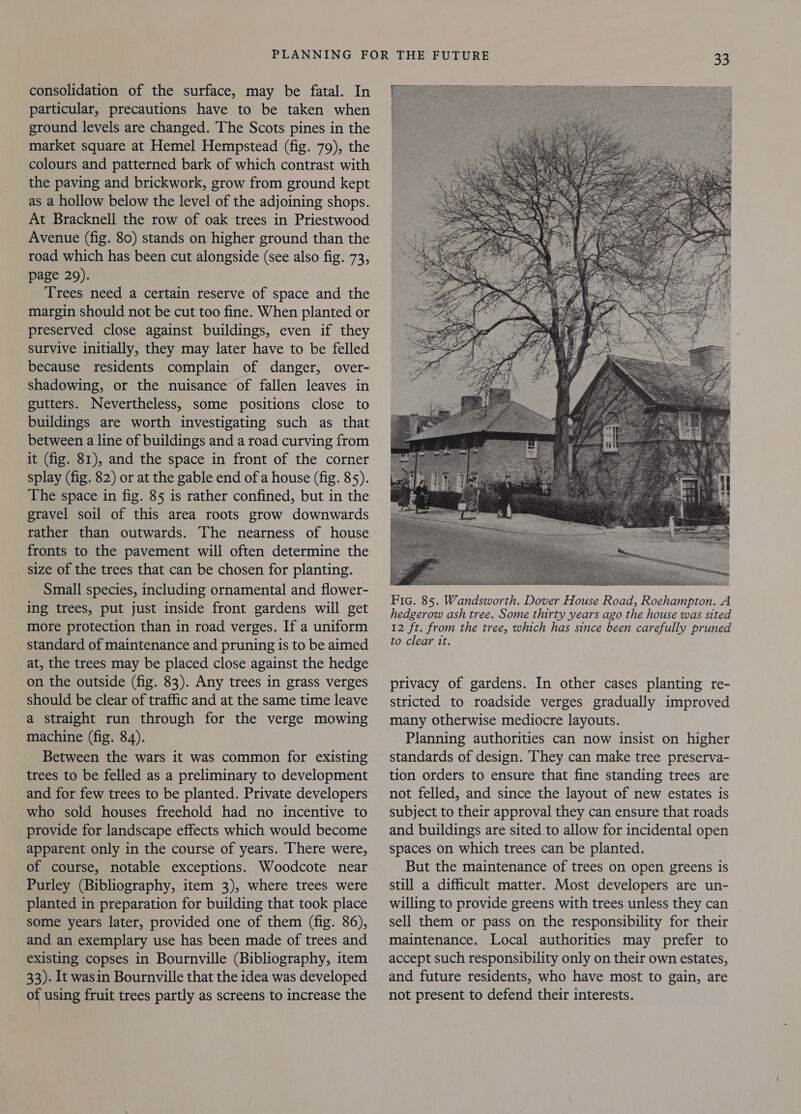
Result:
[{"x": 442, "y": 83}]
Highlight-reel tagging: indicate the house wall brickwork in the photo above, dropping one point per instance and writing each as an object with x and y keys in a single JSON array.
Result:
[
  {"x": 651, "y": 458},
  {"x": 489, "y": 461},
  {"x": 500, "y": 457}
]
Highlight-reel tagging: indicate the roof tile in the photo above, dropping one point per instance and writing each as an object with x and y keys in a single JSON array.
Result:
[{"x": 677, "y": 385}]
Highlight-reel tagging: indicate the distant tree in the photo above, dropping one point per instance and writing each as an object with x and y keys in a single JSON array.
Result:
[
  {"x": 434, "y": 409},
  {"x": 544, "y": 253}
]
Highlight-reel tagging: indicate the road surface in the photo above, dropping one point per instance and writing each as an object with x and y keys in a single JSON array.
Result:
[{"x": 431, "y": 550}]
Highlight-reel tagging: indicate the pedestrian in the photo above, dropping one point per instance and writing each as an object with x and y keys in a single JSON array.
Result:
[
  {"x": 420, "y": 498},
  {"x": 404, "y": 497},
  {"x": 505, "y": 499},
  {"x": 469, "y": 500}
]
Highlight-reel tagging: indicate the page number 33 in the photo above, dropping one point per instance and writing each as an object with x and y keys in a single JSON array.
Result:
[{"x": 721, "y": 59}]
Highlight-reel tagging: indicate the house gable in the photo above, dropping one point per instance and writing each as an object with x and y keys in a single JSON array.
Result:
[{"x": 612, "y": 396}]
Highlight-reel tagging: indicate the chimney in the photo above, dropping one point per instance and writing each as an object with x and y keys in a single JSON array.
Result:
[
  {"x": 414, "y": 424},
  {"x": 496, "y": 395},
  {"x": 709, "y": 358},
  {"x": 442, "y": 415},
  {"x": 470, "y": 402}
]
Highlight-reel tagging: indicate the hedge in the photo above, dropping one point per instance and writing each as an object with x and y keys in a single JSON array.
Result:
[
  {"x": 706, "y": 514},
  {"x": 572, "y": 510},
  {"x": 595, "y": 512},
  {"x": 647, "y": 512}
]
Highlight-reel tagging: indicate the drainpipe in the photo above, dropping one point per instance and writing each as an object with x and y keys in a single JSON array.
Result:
[{"x": 467, "y": 475}]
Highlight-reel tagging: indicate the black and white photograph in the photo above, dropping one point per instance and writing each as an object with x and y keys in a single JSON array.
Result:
[{"x": 560, "y": 335}]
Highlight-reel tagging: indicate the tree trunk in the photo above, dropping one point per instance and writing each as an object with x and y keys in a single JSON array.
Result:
[{"x": 561, "y": 445}]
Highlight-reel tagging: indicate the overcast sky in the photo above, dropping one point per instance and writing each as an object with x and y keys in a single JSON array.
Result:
[{"x": 437, "y": 127}]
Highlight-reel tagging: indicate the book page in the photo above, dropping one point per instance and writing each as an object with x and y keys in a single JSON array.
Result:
[{"x": 398, "y": 699}]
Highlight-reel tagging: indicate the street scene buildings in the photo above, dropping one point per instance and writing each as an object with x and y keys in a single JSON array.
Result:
[
  {"x": 646, "y": 435},
  {"x": 485, "y": 442}
]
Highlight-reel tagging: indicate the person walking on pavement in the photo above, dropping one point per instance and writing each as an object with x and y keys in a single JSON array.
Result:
[
  {"x": 469, "y": 500},
  {"x": 420, "y": 498},
  {"x": 405, "y": 495},
  {"x": 505, "y": 499}
]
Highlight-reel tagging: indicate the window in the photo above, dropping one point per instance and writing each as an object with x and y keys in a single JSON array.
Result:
[
  {"x": 724, "y": 489},
  {"x": 460, "y": 481},
  {"x": 689, "y": 425},
  {"x": 434, "y": 485},
  {"x": 531, "y": 449},
  {"x": 463, "y": 445},
  {"x": 446, "y": 448},
  {"x": 404, "y": 457},
  {"x": 445, "y": 482},
  {"x": 611, "y": 441}
]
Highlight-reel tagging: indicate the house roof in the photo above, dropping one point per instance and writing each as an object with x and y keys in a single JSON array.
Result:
[
  {"x": 503, "y": 417},
  {"x": 677, "y": 386}
]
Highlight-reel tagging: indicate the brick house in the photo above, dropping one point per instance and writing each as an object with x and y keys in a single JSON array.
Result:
[
  {"x": 485, "y": 442},
  {"x": 402, "y": 428},
  {"x": 645, "y": 431}
]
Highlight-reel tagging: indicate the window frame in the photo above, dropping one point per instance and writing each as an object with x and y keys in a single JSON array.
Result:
[
  {"x": 610, "y": 437},
  {"x": 690, "y": 425},
  {"x": 724, "y": 489}
]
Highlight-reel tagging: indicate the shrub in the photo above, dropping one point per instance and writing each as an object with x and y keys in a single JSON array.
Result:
[
  {"x": 706, "y": 514},
  {"x": 648, "y": 512}
]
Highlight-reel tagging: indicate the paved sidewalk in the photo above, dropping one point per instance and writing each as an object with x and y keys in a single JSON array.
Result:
[{"x": 707, "y": 550}]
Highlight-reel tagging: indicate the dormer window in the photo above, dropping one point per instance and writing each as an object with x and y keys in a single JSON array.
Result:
[{"x": 690, "y": 425}]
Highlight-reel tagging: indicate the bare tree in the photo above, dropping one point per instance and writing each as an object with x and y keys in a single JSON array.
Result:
[
  {"x": 542, "y": 254},
  {"x": 695, "y": 202}
]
